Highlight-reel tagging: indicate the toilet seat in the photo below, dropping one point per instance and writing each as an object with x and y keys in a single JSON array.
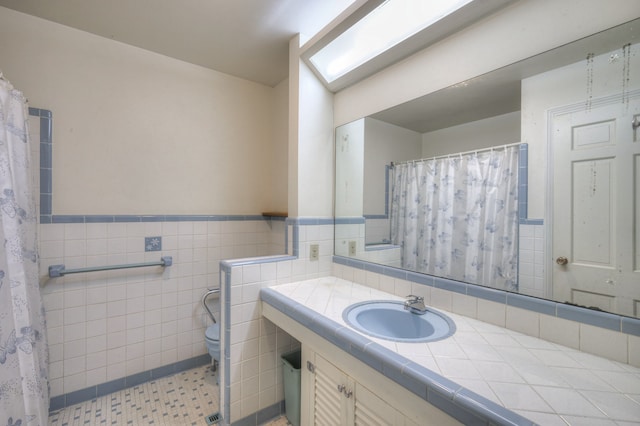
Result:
[
  {"x": 213, "y": 332},
  {"x": 212, "y": 340}
]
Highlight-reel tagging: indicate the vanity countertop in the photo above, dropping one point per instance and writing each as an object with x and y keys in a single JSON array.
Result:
[{"x": 541, "y": 381}]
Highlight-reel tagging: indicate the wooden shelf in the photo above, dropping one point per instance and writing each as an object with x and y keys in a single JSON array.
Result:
[{"x": 275, "y": 214}]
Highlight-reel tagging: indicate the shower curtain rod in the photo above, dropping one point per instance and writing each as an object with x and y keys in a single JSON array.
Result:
[{"x": 457, "y": 154}]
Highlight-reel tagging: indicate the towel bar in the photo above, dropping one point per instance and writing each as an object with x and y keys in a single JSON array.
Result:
[{"x": 59, "y": 270}]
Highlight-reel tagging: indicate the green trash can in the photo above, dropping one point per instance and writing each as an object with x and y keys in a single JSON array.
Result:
[{"x": 291, "y": 373}]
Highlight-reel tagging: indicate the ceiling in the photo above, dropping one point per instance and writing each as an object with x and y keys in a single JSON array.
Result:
[{"x": 245, "y": 38}]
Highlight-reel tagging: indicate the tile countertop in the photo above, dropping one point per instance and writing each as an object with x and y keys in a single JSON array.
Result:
[{"x": 544, "y": 382}]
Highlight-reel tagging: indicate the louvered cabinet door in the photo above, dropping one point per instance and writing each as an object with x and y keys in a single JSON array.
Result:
[
  {"x": 331, "y": 406},
  {"x": 370, "y": 410}
]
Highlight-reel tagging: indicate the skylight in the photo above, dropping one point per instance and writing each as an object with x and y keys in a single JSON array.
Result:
[
  {"x": 389, "y": 24},
  {"x": 386, "y": 26}
]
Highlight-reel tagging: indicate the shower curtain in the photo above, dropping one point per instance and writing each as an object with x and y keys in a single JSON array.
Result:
[
  {"x": 456, "y": 217},
  {"x": 24, "y": 393}
]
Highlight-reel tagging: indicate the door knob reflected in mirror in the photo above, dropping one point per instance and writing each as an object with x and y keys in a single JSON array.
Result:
[{"x": 562, "y": 260}]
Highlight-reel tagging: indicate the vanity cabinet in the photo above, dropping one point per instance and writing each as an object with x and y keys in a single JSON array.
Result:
[
  {"x": 339, "y": 389},
  {"x": 336, "y": 398}
]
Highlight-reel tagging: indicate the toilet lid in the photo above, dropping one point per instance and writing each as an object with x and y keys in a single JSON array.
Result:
[{"x": 213, "y": 332}]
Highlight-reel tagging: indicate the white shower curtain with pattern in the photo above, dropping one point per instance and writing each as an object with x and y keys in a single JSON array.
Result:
[
  {"x": 457, "y": 217},
  {"x": 24, "y": 390}
]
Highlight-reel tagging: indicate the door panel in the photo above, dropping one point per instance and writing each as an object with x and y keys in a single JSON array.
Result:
[
  {"x": 586, "y": 298},
  {"x": 330, "y": 405},
  {"x": 594, "y": 135},
  {"x": 593, "y": 236},
  {"x": 596, "y": 207}
]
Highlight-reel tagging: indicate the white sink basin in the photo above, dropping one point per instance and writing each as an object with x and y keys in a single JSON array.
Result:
[{"x": 387, "y": 319}]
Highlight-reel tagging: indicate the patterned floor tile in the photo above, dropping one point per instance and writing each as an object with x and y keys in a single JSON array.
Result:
[{"x": 182, "y": 399}]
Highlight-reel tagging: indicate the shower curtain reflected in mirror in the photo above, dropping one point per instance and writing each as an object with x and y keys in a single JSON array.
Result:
[
  {"x": 24, "y": 393},
  {"x": 457, "y": 217}
]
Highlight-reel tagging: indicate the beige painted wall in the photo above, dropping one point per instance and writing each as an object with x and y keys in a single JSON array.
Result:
[
  {"x": 350, "y": 162},
  {"x": 494, "y": 131},
  {"x": 311, "y": 140},
  {"x": 279, "y": 150},
  {"x": 139, "y": 133},
  {"x": 384, "y": 143},
  {"x": 315, "y": 147}
]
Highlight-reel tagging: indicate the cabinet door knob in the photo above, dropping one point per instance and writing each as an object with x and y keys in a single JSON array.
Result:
[
  {"x": 341, "y": 388},
  {"x": 562, "y": 260}
]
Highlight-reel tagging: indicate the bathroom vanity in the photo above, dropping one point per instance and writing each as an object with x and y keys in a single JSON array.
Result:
[{"x": 482, "y": 374}]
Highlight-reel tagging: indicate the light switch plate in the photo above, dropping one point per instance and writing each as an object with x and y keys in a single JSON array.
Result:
[{"x": 314, "y": 252}]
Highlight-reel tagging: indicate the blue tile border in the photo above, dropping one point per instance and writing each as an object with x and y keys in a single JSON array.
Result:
[
  {"x": 631, "y": 326},
  {"x": 226, "y": 265},
  {"x": 523, "y": 181},
  {"x": 540, "y": 306},
  {"x": 592, "y": 317},
  {"x": 378, "y": 247},
  {"x": 441, "y": 392},
  {"x": 306, "y": 221},
  {"x": 375, "y": 216},
  {"x": 262, "y": 416},
  {"x": 375, "y": 268},
  {"x": 151, "y": 218},
  {"x": 46, "y": 161},
  {"x": 110, "y": 387},
  {"x": 531, "y": 221},
  {"x": 92, "y": 392},
  {"x": 450, "y": 285},
  {"x": 225, "y": 288},
  {"x": 523, "y": 187},
  {"x": 626, "y": 325},
  {"x": 486, "y": 293},
  {"x": 349, "y": 220},
  {"x": 456, "y": 409}
]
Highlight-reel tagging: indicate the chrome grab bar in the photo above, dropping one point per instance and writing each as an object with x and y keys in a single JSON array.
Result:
[
  {"x": 59, "y": 270},
  {"x": 204, "y": 302}
]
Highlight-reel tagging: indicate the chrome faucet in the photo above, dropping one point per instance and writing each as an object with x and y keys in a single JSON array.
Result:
[{"x": 415, "y": 305}]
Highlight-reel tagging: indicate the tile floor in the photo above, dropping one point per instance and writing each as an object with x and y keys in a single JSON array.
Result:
[{"x": 182, "y": 399}]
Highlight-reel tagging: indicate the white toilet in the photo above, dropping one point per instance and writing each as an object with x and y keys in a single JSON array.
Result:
[
  {"x": 212, "y": 333},
  {"x": 212, "y": 339}
]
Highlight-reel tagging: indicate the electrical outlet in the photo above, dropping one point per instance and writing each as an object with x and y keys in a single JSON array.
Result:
[
  {"x": 314, "y": 252},
  {"x": 352, "y": 248}
]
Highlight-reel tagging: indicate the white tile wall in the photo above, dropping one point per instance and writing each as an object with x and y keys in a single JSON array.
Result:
[
  {"x": 377, "y": 231},
  {"x": 346, "y": 233},
  {"x": 256, "y": 344},
  {"x": 531, "y": 261},
  {"x": 356, "y": 232},
  {"x": 107, "y": 325}
]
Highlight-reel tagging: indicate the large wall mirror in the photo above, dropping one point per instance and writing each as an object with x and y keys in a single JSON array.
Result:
[{"x": 524, "y": 179}]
